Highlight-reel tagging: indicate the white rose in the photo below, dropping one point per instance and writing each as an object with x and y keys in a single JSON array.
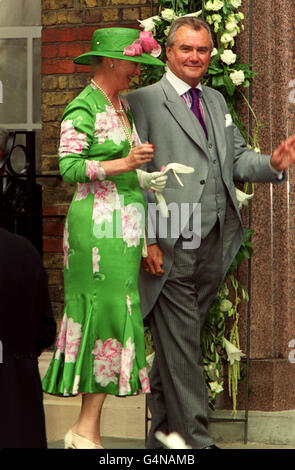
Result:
[
  {"x": 231, "y": 26},
  {"x": 148, "y": 24},
  {"x": 217, "y": 18},
  {"x": 217, "y": 5},
  {"x": 214, "y": 52},
  {"x": 168, "y": 14},
  {"x": 228, "y": 57},
  {"x": 226, "y": 38},
  {"x": 236, "y": 3},
  {"x": 237, "y": 77}
]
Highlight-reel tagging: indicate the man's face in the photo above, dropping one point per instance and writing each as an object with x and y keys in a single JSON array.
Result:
[{"x": 190, "y": 55}]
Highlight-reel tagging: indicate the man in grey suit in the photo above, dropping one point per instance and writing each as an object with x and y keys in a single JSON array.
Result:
[{"x": 180, "y": 277}]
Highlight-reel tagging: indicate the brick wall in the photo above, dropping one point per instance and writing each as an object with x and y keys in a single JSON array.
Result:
[{"x": 67, "y": 30}]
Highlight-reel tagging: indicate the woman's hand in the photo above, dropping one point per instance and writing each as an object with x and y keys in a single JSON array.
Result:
[{"x": 142, "y": 153}]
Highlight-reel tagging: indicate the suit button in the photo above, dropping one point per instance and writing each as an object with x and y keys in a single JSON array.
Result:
[
  {"x": 210, "y": 146},
  {"x": 214, "y": 161},
  {"x": 202, "y": 182}
]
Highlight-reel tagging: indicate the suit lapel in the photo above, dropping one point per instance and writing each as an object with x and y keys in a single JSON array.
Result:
[{"x": 183, "y": 115}]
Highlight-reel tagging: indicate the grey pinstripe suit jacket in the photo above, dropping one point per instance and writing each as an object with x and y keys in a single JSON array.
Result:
[{"x": 162, "y": 118}]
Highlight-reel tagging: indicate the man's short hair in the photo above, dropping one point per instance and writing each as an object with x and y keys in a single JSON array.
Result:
[{"x": 191, "y": 22}]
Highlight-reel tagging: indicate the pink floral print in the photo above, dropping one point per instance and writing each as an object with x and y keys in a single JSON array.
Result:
[
  {"x": 95, "y": 259},
  {"x": 94, "y": 170},
  {"x": 108, "y": 126},
  {"x": 107, "y": 360},
  {"x": 144, "y": 379},
  {"x": 127, "y": 358},
  {"x": 69, "y": 339},
  {"x": 106, "y": 200},
  {"x": 66, "y": 245},
  {"x": 131, "y": 225},
  {"x": 83, "y": 190},
  {"x": 71, "y": 142}
]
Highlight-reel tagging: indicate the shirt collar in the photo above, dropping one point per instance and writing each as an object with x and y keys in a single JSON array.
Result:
[{"x": 179, "y": 85}]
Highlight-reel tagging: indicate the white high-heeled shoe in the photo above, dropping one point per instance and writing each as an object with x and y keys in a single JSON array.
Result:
[{"x": 80, "y": 442}]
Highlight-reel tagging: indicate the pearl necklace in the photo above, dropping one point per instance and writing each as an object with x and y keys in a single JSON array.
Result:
[{"x": 119, "y": 111}]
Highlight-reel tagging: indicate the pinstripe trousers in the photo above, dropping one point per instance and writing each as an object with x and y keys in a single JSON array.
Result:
[{"x": 179, "y": 400}]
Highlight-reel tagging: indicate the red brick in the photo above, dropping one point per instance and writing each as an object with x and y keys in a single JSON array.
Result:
[
  {"x": 50, "y": 210},
  {"x": 63, "y": 210},
  {"x": 75, "y": 49},
  {"x": 52, "y": 245},
  {"x": 57, "y": 66},
  {"x": 62, "y": 50},
  {"x": 59, "y": 35},
  {"x": 53, "y": 228},
  {"x": 83, "y": 69},
  {"x": 49, "y": 51},
  {"x": 85, "y": 32}
]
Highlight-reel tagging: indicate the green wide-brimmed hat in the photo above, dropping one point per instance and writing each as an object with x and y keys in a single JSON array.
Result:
[{"x": 112, "y": 42}]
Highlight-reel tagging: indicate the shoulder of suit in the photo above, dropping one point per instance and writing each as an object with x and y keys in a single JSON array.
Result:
[
  {"x": 144, "y": 91},
  {"x": 212, "y": 92}
]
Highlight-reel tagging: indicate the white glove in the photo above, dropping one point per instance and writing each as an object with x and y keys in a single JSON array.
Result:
[
  {"x": 155, "y": 180},
  {"x": 175, "y": 168}
]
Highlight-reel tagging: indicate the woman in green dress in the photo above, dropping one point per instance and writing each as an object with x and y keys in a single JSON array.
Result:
[{"x": 100, "y": 348}]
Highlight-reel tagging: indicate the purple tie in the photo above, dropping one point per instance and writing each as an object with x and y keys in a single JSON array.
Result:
[{"x": 194, "y": 92}]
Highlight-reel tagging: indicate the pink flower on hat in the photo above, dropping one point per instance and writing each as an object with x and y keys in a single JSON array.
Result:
[{"x": 145, "y": 43}]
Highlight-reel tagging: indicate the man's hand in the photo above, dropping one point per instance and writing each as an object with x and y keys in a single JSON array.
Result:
[
  {"x": 154, "y": 261},
  {"x": 284, "y": 155}
]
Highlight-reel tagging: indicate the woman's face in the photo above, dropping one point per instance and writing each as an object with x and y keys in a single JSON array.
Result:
[{"x": 124, "y": 71}]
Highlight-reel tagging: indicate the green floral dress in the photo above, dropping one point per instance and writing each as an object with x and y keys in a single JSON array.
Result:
[{"x": 100, "y": 347}]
